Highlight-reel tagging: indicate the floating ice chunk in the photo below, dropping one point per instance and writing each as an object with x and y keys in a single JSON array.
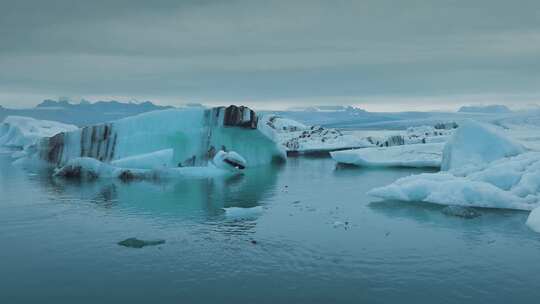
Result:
[
  {"x": 481, "y": 172},
  {"x": 299, "y": 138},
  {"x": 533, "y": 221},
  {"x": 243, "y": 213},
  {"x": 416, "y": 135},
  {"x": 419, "y": 155},
  {"x": 19, "y": 132},
  {"x": 339, "y": 224},
  {"x": 475, "y": 144},
  {"x": 229, "y": 161},
  {"x": 280, "y": 124},
  {"x": 512, "y": 183}
]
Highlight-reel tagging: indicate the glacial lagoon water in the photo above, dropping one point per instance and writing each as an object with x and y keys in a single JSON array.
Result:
[{"x": 318, "y": 239}]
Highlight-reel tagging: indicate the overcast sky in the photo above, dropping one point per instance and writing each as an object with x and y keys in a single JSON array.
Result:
[{"x": 377, "y": 54}]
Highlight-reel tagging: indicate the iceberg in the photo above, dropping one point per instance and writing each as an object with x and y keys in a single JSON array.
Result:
[
  {"x": 20, "y": 132},
  {"x": 484, "y": 169},
  {"x": 416, "y": 156},
  {"x": 475, "y": 144},
  {"x": 297, "y": 138},
  {"x": 167, "y": 139},
  {"x": 439, "y": 133},
  {"x": 475, "y": 190}
]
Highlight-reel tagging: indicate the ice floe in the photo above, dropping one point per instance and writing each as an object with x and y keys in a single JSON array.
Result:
[
  {"x": 298, "y": 138},
  {"x": 439, "y": 133},
  {"x": 418, "y": 155},
  {"x": 485, "y": 169}
]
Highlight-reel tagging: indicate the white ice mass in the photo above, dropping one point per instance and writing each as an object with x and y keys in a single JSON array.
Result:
[
  {"x": 417, "y": 147},
  {"x": 20, "y": 132},
  {"x": 485, "y": 170},
  {"x": 475, "y": 144},
  {"x": 417, "y": 155},
  {"x": 298, "y": 138},
  {"x": 439, "y": 133}
]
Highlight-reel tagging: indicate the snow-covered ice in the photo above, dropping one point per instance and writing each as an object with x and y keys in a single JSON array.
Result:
[
  {"x": 298, "y": 138},
  {"x": 523, "y": 127},
  {"x": 20, "y": 132},
  {"x": 418, "y": 155},
  {"x": 476, "y": 144},
  {"x": 477, "y": 175},
  {"x": 439, "y": 133},
  {"x": 472, "y": 190},
  {"x": 282, "y": 125}
]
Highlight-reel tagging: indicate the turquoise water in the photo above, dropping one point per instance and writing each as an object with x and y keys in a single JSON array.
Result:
[{"x": 59, "y": 242}]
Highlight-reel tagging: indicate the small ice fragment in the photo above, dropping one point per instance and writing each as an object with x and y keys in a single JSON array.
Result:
[
  {"x": 338, "y": 224},
  {"x": 243, "y": 213}
]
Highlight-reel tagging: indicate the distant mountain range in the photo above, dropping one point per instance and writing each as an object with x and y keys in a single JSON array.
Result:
[
  {"x": 334, "y": 116},
  {"x": 347, "y": 117},
  {"x": 330, "y": 115},
  {"x": 489, "y": 109},
  {"x": 83, "y": 113}
]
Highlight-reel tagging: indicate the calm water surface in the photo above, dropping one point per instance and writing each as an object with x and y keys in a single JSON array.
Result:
[{"x": 59, "y": 242}]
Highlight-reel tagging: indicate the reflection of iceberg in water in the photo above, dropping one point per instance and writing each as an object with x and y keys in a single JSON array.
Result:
[
  {"x": 492, "y": 223},
  {"x": 191, "y": 199}
]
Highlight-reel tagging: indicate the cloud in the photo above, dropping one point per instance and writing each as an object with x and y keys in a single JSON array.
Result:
[{"x": 261, "y": 50}]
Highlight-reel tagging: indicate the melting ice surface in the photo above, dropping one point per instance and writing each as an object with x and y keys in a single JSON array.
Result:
[{"x": 59, "y": 240}]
